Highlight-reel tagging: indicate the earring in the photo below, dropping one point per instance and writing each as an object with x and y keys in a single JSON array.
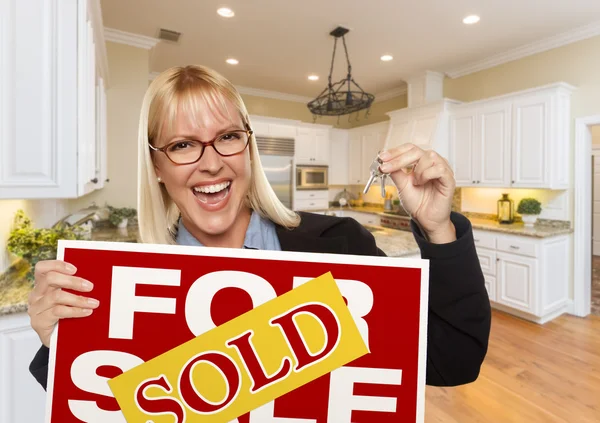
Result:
[{"x": 159, "y": 180}]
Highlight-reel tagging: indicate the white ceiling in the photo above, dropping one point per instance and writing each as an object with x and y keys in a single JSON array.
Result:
[{"x": 280, "y": 42}]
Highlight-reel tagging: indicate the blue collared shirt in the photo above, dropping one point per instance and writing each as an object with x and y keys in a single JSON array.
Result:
[{"x": 260, "y": 235}]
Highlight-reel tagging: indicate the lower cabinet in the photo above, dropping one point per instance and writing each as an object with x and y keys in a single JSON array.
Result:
[
  {"x": 525, "y": 276},
  {"x": 22, "y": 399}
]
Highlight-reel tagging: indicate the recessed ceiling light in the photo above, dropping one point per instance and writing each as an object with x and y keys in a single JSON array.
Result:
[
  {"x": 313, "y": 77},
  {"x": 232, "y": 61},
  {"x": 226, "y": 12},
  {"x": 386, "y": 58},
  {"x": 471, "y": 19}
]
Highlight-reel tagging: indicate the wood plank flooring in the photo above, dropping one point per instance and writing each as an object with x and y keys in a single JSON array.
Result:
[
  {"x": 532, "y": 373},
  {"x": 596, "y": 285}
]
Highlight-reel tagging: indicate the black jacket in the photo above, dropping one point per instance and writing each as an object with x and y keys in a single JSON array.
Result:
[{"x": 459, "y": 308}]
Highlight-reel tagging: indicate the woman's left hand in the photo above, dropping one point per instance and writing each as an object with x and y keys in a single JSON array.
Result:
[{"x": 426, "y": 192}]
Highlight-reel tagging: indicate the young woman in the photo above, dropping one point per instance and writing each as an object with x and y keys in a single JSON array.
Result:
[{"x": 201, "y": 182}]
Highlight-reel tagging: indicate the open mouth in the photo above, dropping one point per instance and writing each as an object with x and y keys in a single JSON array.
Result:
[{"x": 212, "y": 194}]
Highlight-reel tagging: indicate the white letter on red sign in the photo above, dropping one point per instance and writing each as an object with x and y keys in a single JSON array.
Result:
[
  {"x": 157, "y": 406},
  {"x": 360, "y": 301},
  {"x": 254, "y": 366},
  {"x": 124, "y": 303},
  {"x": 84, "y": 376},
  {"x": 202, "y": 291},
  {"x": 228, "y": 369},
  {"x": 291, "y": 332},
  {"x": 341, "y": 392}
]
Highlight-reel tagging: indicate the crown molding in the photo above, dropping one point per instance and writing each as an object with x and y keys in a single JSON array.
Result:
[
  {"x": 272, "y": 94},
  {"x": 568, "y": 37},
  {"x": 130, "y": 39},
  {"x": 396, "y": 92}
]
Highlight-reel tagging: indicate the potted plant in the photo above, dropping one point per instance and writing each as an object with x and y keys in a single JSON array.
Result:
[
  {"x": 33, "y": 245},
  {"x": 529, "y": 209},
  {"x": 121, "y": 216}
]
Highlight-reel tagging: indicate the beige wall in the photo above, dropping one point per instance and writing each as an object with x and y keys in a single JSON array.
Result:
[
  {"x": 128, "y": 67},
  {"x": 596, "y": 135}
]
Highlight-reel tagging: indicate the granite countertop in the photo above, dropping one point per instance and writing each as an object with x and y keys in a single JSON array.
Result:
[
  {"x": 14, "y": 286},
  {"x": 543, "y": 229},
  {"x": 394, "y": 242}
]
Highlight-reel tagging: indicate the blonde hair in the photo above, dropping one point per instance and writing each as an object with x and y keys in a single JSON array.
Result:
[{"x": 185, "y": 88}]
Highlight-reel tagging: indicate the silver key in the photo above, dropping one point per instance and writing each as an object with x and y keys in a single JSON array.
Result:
[{"x": 375, "y": 173}]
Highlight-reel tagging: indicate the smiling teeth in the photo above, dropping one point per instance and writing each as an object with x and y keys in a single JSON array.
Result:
[{"x": 211, "y": 189}]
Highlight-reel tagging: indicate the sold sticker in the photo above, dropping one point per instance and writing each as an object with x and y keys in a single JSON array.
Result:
[{"x": 246, "y": 362}]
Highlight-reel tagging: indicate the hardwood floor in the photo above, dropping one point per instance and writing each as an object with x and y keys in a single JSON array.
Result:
[{"x": 532, "y": 373}]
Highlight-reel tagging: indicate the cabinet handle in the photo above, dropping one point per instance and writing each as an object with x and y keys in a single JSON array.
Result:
[
  {"x": 107, "y": 180},
  {"x": 477, "y": 181},
  {"x": 512, "y": 182},
  {"x": 95, "y": 180},
  {"x": 514, "y": 247},
  {"x": 497, "y": 259},
  {"x": 476, "y": 240}
]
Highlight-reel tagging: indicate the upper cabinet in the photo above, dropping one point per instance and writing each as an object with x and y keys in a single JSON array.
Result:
[
  {"x": 312, "y": 146},
  {"x": 338, "y": 168},
  {"x": 519, "y": 140},
  {"x": 52, "y": 99},
  {"x": 365, "y": 142}
]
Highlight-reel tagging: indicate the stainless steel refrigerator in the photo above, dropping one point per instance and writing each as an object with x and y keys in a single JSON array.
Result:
[{"x": 277, "y": 158}]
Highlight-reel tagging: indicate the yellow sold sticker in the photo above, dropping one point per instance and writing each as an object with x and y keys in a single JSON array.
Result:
[{"x": 246, "y": 362}]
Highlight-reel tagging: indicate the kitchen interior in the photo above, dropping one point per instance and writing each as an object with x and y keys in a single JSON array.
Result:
[{"x": 503, "y": 119}]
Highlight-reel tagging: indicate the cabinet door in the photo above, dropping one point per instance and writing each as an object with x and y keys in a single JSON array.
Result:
[
  {"x": 462, "y": 145},
  {"x": 305, "y": 146},
  {"x": 322, "y": 147},
  {"x": 487, "y": 261},
  {"x": 22, "y": 399},
  {"x": 355, "y": 164},
  {"x": 339, "y": 147},
  {"x": 493, "y": 155},
  {"x": 517, "y": 282},
  {"x": 490, "y": 286},
  {"x": 530, "y": 146},
  {"x": 38, "y": 99},
  {"x": 372, "y": 143}
]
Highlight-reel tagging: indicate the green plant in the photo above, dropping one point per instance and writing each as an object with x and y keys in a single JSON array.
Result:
[
  {"x": 117, "y": 214},
  {"x": 34, "y": 245},
  {"x": 396, "y": 202},
  {"x": 529, "y": 206}
]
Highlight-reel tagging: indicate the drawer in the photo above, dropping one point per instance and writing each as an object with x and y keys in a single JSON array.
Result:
[
  {"x": 517, "y": 245},
  {"x": 311, "y": 204},
  {"x": 487, "y": 261},
  {"x": 484, "y": 239},
  {"x": 364, "y": 218},
  {"x": 313, "y": 195},
  {"x": 490, "y": 286}
]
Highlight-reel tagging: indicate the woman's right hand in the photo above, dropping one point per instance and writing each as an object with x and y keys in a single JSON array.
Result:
[{"x": 48, "y": 302}]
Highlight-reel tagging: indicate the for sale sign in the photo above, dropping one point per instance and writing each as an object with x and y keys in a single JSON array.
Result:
[
  {"x": 155, "y": 299},
  {"x": 246, "y": 362}
]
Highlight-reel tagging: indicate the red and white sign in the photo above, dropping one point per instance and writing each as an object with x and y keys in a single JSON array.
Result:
[{"x": 154, "y": 298}]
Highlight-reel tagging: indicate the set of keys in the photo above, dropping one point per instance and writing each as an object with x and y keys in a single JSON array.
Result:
[{"x": 376, "y": 173}]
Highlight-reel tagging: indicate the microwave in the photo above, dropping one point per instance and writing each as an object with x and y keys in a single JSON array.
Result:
[{"x": 312, "y": 177}]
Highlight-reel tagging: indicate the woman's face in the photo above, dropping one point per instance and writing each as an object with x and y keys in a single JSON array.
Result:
[{"x": 211, "y": 192}]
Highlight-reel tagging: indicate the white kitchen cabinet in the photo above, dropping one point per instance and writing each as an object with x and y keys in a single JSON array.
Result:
[
  {"x": 518, "y": 140},
  {"x": 51, "y": 71},
  {"x": 311, "y": 199},
  {"x": 525, "y": 276},
  {"x": 363, "y": 218},
  {"x": 355, "y": 175},
  {"x": 22, "y": 399},
  {"x": 462, "y": 146},
  {"x": 364, "y": 145},
  {"x": 480, "y": 145},
  {"x": 312, "y": 146},
  {"x": 338, "y": 167}
]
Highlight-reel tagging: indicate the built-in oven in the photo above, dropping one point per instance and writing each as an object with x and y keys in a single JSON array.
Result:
[{"x": 312, "y": 177}]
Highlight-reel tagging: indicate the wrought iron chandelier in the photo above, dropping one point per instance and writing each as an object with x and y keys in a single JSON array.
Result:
[{"x": 345, "y": 96}]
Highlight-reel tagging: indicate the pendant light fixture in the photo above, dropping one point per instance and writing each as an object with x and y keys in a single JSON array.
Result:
[{"x": 345, "y": 96}]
